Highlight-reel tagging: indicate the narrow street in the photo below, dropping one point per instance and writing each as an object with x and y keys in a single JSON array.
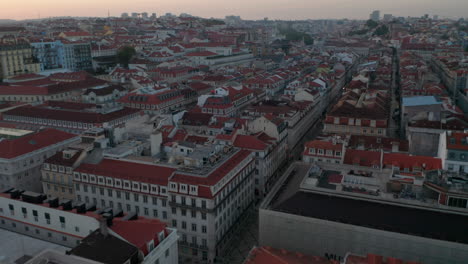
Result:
[
  {"x": 394, "y": 126},
  {"x": 247, "y": 236}
]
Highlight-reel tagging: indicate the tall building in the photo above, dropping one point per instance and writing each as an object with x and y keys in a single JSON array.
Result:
[
  {"x": 77, "y": 55},
  {"x": 16, "y": 57},
  {"x": 205, "y": 199},
  {"x": 387, "y": 17},
  {"x": 375, "y": 15},
  {"x": 124, "y": 15},
  {"x": 49, "y": 53}
]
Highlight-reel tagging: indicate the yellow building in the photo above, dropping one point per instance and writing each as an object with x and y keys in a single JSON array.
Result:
[{"x": 16, "y": 58}]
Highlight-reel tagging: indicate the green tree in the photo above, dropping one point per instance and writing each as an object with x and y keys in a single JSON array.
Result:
[
  {"x": 371, "y": 23},
  {"x": 382, "y": 30},
  {"x": 125, "y": 54},
  {"x": 445, "y": 37}
]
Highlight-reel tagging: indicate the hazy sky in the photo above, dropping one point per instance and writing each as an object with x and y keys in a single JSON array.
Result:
[{"x": 247, "y": 9}]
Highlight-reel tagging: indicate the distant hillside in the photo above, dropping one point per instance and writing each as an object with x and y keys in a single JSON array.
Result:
[{"x": 7, "y": 21}]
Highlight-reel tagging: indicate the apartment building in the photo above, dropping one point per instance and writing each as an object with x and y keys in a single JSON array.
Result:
[
  {"x": 359, "y": 113},
  {"x": 124, "y": 185},
  {"x": 204, "y": 198},
  {"x": 207, "y": 203},
  {"x": 21, "y": 158},
  {"x": 57, "y": 173},
  {"x": 77, "y": 55},
  {"x": 16, "y": 57},
  {"x": 89, "y": 232}
]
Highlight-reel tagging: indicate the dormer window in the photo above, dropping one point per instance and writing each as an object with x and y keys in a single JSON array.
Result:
[{"x": 312, "y": 151}]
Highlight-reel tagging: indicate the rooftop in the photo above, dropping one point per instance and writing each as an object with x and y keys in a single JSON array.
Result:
[
  {"x": 105, "y": 248},
  {"x": 437, "y": 225},
  {"x": 420, "y": 100},
  {"x": 16, "y": 147}
]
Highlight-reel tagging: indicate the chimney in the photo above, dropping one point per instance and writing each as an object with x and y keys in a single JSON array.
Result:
[
  {"x": 156, "y": 141},
  {"x": 374, "y": 259},
  {"x": 395, "y": 146},
  {"x": 103, "y": 226}
]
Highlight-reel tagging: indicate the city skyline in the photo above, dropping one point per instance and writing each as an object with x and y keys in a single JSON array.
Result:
[{"x": 273, "y": 9}]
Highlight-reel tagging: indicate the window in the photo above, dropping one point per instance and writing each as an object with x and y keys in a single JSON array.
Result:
[
  {"x": 145, "y": 199},
  {"x": 109, "y": 192},
  {"x": 174, "y": 223},
  {"x": 167, "y": 253},
  {"x": 127, "y": 196},
  {"x": 64, "y": 238},
  {"x": 174, "y": 210},
  {"x": 194, "y": 213},
  {"x": 135, "y": 197},
  {"x": 155, "y": 200},
  {"x": 155, "y": 213},
  {"x": 164, "y": 214},
  {"x": 101, "y": 191},
  {"x": 203, "y": 229},
  {"x": 203, "y": 204},
  {"x": 47, "y": 217},
  {"x": 37, "y": 231},
  {"x": 312, "y": 151},
  {"x": 203, "y": 216},
  {"x": 77, "y": 229},
  {"x": 338, "y": 153},
  {"x": 62, "y": 221},
  {"x": 146, "y": 211},
  {"x": 184, "y": 212},
  {"x": 36, "y": 218},
  {"x": 184, "y": 225},
  {"x": 194, "y": 227}
]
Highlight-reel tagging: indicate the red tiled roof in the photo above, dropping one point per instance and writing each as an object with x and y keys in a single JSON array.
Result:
[
  {"x": 402, "y": 160},
  {"x": 326, "y": 145},
  {"x": 139, "y": 232},
  {"x": 11, "y": 148},
  {"x": 362, "y": 157},
  {"x": 201, "y": 54},
  {"x": 77, "y": 34},
  {"x": 249, "y": 142},
  {"x": 268, "y": 255},
  {"x": 372, "y": 259},
  {"x": 26, "y": 76},
  {"x": 335, "y": 178},
  {"x": 126, "y": 170},
  {"x": 458, "y": 138},
  {"x": 214, "y": 177},
  {"x": 68, "y": 115},
  {"x": 196, "y": 139}
]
